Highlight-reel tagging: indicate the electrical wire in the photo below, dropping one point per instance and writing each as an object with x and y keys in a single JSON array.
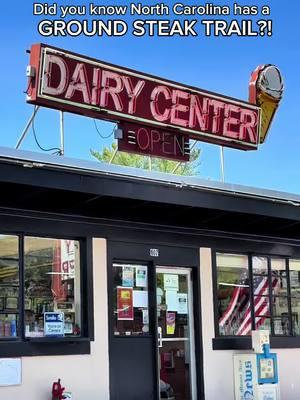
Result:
[
  {"x": 100, "y": 134},
  {"x": 28, "y": 86},
  {"x": 56, "y": 149}
]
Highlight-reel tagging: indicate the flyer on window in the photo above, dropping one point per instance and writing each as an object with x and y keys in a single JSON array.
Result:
[
  {"x": 127, "y": 276},
  {"x": 125, "y": 303}
]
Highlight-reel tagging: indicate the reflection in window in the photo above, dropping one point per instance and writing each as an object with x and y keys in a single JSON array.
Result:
[
  {"x": 52, "y": 284},
  {"x": 234, "y": 311},
  {"x": 9, "y": 286},
  {"x": 131, "y": 312},
  {"x": 294, "y": 270},
  {"x": 275, "y": 299},
  {"x": 280, "y": 312},
  {"x": 260, "y": 285}
]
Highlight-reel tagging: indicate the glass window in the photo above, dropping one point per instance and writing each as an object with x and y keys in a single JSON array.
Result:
[
  {"x": 9, "y": 286},
  {"x": 52, "y": 300},
  {"x": 280, "y": 311},
  {"x": 131, "y": 310},
  {"x": 233, "y": 295},
  {"x": 260, "y": 287},
  {"x": 272, "y": 300},
  {"x": 294, "y": 272}
]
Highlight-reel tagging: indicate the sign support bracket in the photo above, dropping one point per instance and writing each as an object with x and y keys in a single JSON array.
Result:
[
  {"x": 180, "y": 162},
  {"x": 62, "y": 134},
  {"x": 222, "y": 163},
  {"x": 25, "y": 130}
]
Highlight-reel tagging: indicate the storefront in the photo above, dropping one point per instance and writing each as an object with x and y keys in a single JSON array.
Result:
[{"x": 160, "y": 280}]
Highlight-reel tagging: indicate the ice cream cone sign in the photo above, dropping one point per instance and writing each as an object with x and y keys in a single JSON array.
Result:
[{"x": 265, "y": 90}]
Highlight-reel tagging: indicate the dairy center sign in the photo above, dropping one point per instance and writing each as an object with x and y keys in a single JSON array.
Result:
[{"x": 81, "y": 85}]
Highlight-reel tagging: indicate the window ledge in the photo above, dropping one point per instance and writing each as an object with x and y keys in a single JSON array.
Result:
[
  {"x": 56, "y": 339},
  {"x": 45, "y": 347},
  {"x": 244, "y": 343}
]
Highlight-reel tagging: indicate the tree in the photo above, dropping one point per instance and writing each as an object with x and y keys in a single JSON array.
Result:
[{"x": 110, "y": 155}]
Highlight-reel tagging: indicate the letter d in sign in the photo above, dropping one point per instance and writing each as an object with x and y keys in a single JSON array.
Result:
[{"x": 39, "y": 9}]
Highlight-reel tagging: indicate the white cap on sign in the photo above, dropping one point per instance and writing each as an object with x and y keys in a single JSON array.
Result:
[{"x": 259, "y": 338}]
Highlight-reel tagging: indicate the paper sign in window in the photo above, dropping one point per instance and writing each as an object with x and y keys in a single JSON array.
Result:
[
  {"x": 171, "y": 281},
  {"x": 141, "y": 276},
  {"x": 140, "y": 298},
  {"x": 127, "y": 276},
  {"x": 171, "y": 320},
  {"x": 171, "y": 300},
  {"x": 125, "y": 303},
  {"x": 182, "y": 307}
]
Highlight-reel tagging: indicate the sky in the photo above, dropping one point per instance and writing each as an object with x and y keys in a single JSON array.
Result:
[{"x": 219, "y": 64}]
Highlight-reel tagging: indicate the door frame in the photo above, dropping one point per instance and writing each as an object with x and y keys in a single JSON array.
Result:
[
  {"x": 188, "y": 272},
  {"x": 168, "y": 256}
]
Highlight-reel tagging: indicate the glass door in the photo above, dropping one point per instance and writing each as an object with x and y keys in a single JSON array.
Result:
[{"x": 176, "y": 354}]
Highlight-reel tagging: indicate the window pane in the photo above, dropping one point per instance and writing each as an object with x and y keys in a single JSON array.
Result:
[
  {"x": 9, "y": 325},
  {"x": 294, "y": 271},
  {"x": 282, "y": 325},
  {"x": 9, "y": 285},
  {"x": 131, "y": 311},
  {"x": 9, "y": 247},
  {"x": 279, "y": 277},
  {"x": 260, "y": 265},
  {"x": 52, "y": 284},
  {"x": 261, "y": 305},
  {"x": 294, "y": 268},
  {"x": 233, "y": 294},
  {"x": 263, "y": 323}
]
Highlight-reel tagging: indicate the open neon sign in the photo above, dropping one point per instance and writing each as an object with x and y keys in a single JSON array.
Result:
[{"x": 70, "y": 82}]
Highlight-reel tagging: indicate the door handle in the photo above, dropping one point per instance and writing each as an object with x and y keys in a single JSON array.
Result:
[{"x": 159, "y": 335}]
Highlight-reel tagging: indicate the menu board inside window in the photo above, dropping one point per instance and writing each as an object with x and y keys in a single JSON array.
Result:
[{"x": 130, "y": 299}]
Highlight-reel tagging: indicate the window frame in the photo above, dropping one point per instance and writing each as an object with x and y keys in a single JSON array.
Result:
[
  {"x": 244, "y": 342},
  {"x": 67, "y": 345}
]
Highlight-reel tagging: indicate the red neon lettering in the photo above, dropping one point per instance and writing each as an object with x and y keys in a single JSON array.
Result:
[
  {"x": 198, "y": 113},
  {"x": 133, "y": 92},
  {"x": 165, "y": 91},
  {"x": 231, "y": 121},
  {"x": 50, "y": 60},
  {"x": 217, "y": 107},
  {"x": 96, "y": 86},
  {"x": 114, "y": 92},
  {"x": 169, "y": 143},
  {"x": 79, "y": 83},
  {"x": 248, "y": 126},
  {"x": 177, "y": 95},
  {"x": 142, "y": 134},
  {"x": 155, "y": 138}
]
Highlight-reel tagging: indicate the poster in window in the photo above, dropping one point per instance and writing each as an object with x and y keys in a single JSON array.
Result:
[
  {"x": 171, "y": 300},
  {"x": 171, "y": 282},
  {"x": 141, "y": 276},
  {"x": 127, "y": 276},
  {"x": 171, "y": 318},
  {"x": 182, "y": 303},
  {"x": 125, "y": 303}
]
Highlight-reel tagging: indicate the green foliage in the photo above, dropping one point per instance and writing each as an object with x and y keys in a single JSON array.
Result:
[{"x": 109, "y": 154}]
